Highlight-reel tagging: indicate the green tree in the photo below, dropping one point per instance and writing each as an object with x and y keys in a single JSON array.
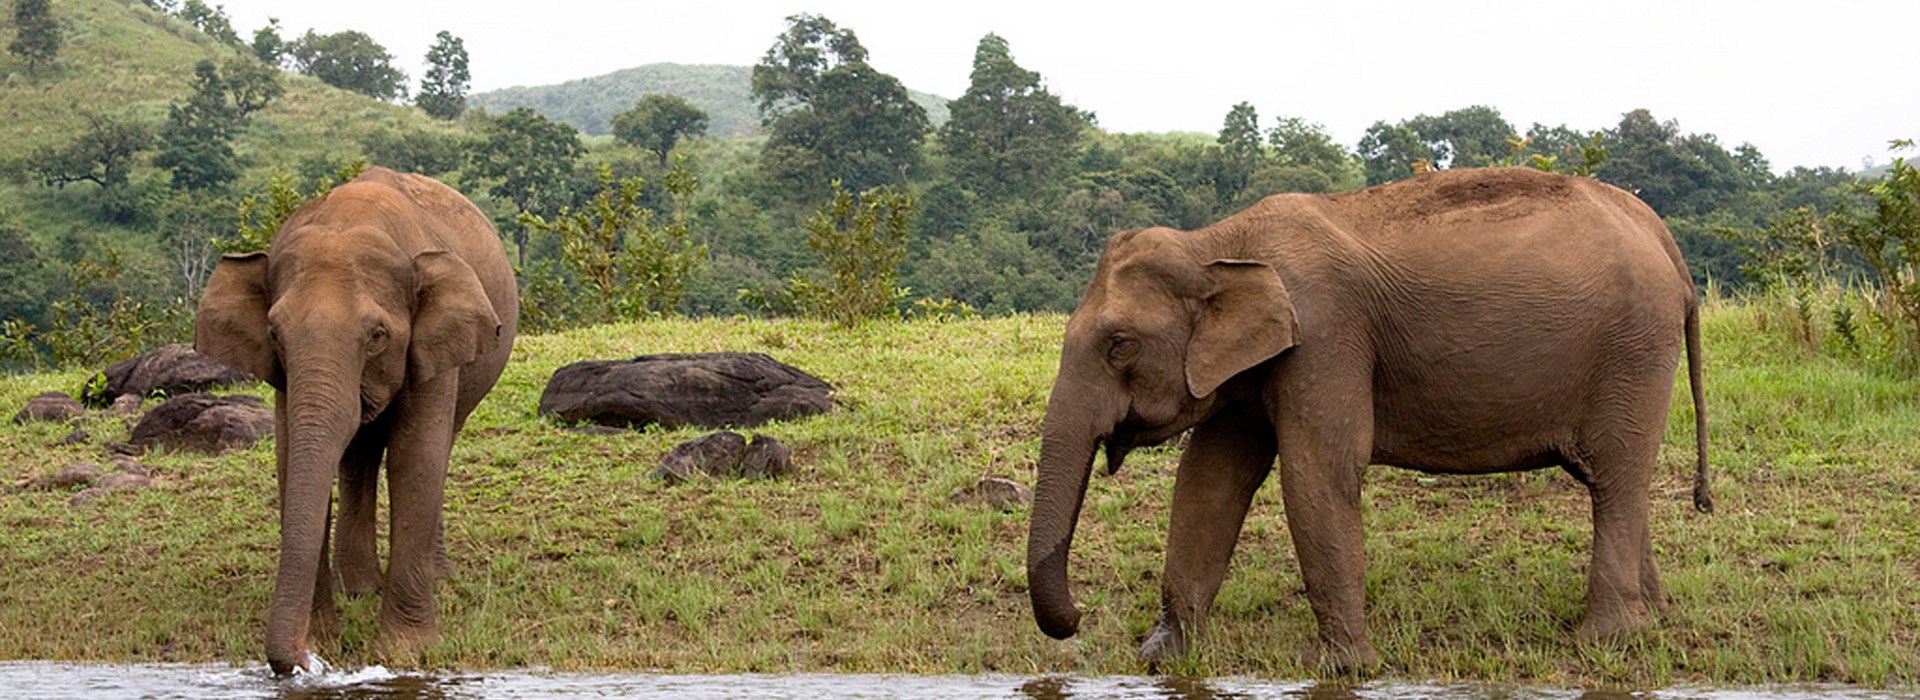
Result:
[
  {"x": 36, "y": 33},
  {"x": 101, "y": 155},
  {"x": 1389, "y": 152},
  {"x": 349, "y": 60},
  {"x": 268, "y": 46},
  {"x": 1676, "y": 174},
  {"x": 196, "y": 144},
  {"x": 860, "y": 241},
  {"x": 1474, "y": 137},
  {"x": 251, "y": 85},
  {"x": 525, "y": 158},
  {"x": 443, "y": 90},
  {"x": 211, "y": 21},
  {"x": 1007, "y": 133},
  {"x": 1298, "y": 142},
  {"x": 1887, "y": 235},
  {"x": 22, "y": 298},
  {"x": 630, "y": 267},
  {"x": 657, "y": 122},
  {"x": 1240, "y": 142},
  {"x": 830, "y": 115}
]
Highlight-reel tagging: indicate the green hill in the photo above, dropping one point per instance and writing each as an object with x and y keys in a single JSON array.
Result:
[{"x": 724, "y": 92}]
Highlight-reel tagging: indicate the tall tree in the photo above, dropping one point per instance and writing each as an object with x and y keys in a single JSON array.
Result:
[
  {"x": 196, "y": 144},
  {"x": 657, "y": 122},
  {"x": 267, "y": 44},
  {"x": 37, "y": 33},
  {"x": 443, "y": 90},
  {"x": 830, "y": 115},
  {"x": 1473, "y": 137},
  {"x": 211, "y": 20},
  {"x": 1298, "y": 142},
  {"x": 349, "y": 60},
  {"x": 251, "y": 85},
  {"x": 525, "y": 158},
  {"x": 1388, "y": 151},
  {"x": 1007, "y": 133}
]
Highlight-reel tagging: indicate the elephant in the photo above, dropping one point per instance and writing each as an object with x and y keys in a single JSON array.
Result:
[
  {"x": 381, "y": 314},
  {"x": 1468, "y": 321}
]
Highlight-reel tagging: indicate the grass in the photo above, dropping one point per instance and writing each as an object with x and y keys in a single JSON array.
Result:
[{"x": 568, "y": 557}]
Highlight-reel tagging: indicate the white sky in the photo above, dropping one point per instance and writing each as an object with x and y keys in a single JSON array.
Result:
[{"x": 1809, "y": 83}]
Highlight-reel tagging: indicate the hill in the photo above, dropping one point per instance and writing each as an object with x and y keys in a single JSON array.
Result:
[{"x": 724, "y": 92}]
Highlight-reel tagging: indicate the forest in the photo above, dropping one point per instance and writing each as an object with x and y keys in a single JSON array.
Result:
[{"x": 848, "y": 201}]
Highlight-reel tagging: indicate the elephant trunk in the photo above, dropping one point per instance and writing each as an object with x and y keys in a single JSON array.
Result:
[
  {"x": 318, "y": 415},
  {"x": 1068, "y": 442}
]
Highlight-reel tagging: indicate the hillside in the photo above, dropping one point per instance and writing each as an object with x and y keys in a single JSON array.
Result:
[{"x": 724, "y": 92}]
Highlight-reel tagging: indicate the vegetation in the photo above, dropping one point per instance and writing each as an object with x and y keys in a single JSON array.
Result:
[
  {"x": 443, "y": 90},
  {"x": 566, "y": 556},
  {"x": 658, "y": 122},
  {"x": 36, "y": 33},
  {"x": 629, "y": 267},
  {"x": 349, "y": 60}
]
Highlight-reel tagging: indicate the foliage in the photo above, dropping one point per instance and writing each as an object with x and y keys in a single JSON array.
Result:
[
  {"x": 259, "y": 216},
  {"x": 443, "y": 90},
  {"x": 830, "y": 115},
  {"x": 1888, "y": 237},
  {"x": 419, "y": 151},
  {"x": 99, "y": 321},
  {"x": 102, "y": 155},
  {"x": 1388, "y": 152},
  {"x": 1244, "y": 149},
  {"x": 1007, "y": 134},
  {"x": 349, "y": 60},
  {"x": 36, "y": 33},
  {"x": 196, "y": 144},
  {"x": 860, "y": 241},
  {"x": 524, "y": 158},
  {"x": 626, "y": 266},
  {"x": 252, "y": 85},
  {"x": 268, "y": 45},
  {"x": 211, "y": 21},
  {"x": 657, "y": 122}
]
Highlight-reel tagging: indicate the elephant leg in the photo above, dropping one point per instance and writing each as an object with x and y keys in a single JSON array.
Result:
[
  {"x": 1650, "y": 588},
  {"x": 1620, "y": 579},
  {"x": 1325, "y": 446},
  {"x": 358, "y": 558},
  {"x": 1225, "y": 462},
  {"x": 416, "y": 478}
]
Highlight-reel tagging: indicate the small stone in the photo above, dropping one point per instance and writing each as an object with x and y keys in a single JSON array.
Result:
[
  {"x": 995, "y": 492},
  {"x": 75, "y": 474},
  {"x": 124, "y": 481},
  {"x": 129, "y": 465},
  {"x": 77, "y": 437},
  {"x": 122, "y": 448},
  {"x": 766, "y": 458},
  {"x": 715, "y": 455},
  {"x": 128, "y": 404},
  {"x": 52, "y": 407}
]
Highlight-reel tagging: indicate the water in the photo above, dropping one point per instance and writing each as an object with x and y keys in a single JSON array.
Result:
[{"x": 33, "y": 680}]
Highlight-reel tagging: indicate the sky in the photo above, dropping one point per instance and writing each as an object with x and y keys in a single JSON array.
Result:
[{"x": 1809, "y": 84}]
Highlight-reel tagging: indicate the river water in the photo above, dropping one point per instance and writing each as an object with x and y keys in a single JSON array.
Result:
[{"x": 33, "y": 680}]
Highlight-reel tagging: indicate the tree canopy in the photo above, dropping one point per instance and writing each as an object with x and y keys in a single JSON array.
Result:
[
  {"x": 443, "y": 90},
  {"x": 349, "y": 60},
  {"x": 657, "y": 122},
  {"x": 1007, "y": 133},
  {"x": 830, "y": 115}
]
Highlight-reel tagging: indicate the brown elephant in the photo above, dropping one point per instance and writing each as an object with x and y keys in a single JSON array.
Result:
[
  {"x": 1464, "y": 322},
  {"x": 381, "y": 315}
]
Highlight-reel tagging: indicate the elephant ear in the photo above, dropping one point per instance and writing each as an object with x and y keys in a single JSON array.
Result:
[
  {"x": 453, "y": 320},
  {"x": 231, "y": 324},
  {"x": 1246, "y": 319}
]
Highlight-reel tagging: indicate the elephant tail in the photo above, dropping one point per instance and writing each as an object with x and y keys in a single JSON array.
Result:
[{"x": 1702, "y": 496}]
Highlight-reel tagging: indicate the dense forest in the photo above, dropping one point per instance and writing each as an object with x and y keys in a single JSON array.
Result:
[{"x": 144, "y": 137}]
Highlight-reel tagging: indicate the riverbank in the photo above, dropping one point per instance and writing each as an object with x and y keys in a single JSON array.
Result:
[{"x": 567, "y": 557}]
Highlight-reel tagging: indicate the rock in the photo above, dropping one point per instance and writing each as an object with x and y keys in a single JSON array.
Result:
[
  {"x": 124, "y": 449},
  {"x": 170, "y": 369},
  {"x": 711, "y": 390},
  {"x": 205, "y": 423},
  {"x": 766, "y": 458},
  {"x": 75, "y": 474},
  {"x": 726, "y": 455},
  {"x": 129, "y": 465},
  {"x": 76, "y": 437},
  {"x": 52, "y": 406},
  {"x": 996, "y": 492},
  {"x": 108, "y": 484},
  {"x": 128, "y": 404}
]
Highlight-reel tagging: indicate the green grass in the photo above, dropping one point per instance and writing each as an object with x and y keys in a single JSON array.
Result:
[{"x": 568, "y": 557}]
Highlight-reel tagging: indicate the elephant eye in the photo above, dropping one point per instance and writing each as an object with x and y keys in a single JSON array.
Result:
[
  {"x": 1122, "y": 349},
  {"x": 377, "y": 340}
]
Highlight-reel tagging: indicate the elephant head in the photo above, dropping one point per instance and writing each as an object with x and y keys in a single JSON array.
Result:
[
  {"x": 339, "y": 321},
  {"x": 1163, "y": 325}
]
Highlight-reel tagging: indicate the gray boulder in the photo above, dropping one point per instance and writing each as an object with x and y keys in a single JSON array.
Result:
[
  {"x": 170, "y": 369},
  {"x": 998, "y": 493},
  {"x": 709, "y": 390},
  {"x": 726, "y": 455},
  {"x": 204, "y": 423},
  {"x": 52, "y": 407}
]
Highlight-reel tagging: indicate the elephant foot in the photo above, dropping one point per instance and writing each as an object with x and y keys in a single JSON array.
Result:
[
  {"x": 1164, "y": 642},
  {"x": 442, "y": 565},
  {"x": 405, "y": 645},
  {"x": 360, "y": 580},
  {"x": 1616, "y": 626},
  {"x": 1343, "y": 660}
]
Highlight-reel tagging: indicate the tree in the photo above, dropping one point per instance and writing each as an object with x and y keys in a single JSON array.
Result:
[
  {"x": 211, "y": 21},
  {"x": 443, "y": 90},
  {"x": 101, "y": 155},
  {"x": 267, "y": 44},
  {"x": 526, "y": 157},
  {"x": 1240, "y": 142},
  {"x": 860, "y": 241},
  {"x": 657, "y": 122},
  {"x": 830, "y": 115},
  {"x": 1388, "y": 152},
  {"x": 1474, "y": 137},
  {"x": 1298, "y": 142},
  {"x": 631, "y": 267},
  {"x": 1007, "y": 133},
  {"x": 196, "y": 144},
  {"x": 37, "y": 33},
  {"x": 349, "y": 60},
  {"x": 251, "y": 85}
]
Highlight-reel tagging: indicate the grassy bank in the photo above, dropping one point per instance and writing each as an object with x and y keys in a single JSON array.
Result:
[{"x": 567, "y": 556}]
